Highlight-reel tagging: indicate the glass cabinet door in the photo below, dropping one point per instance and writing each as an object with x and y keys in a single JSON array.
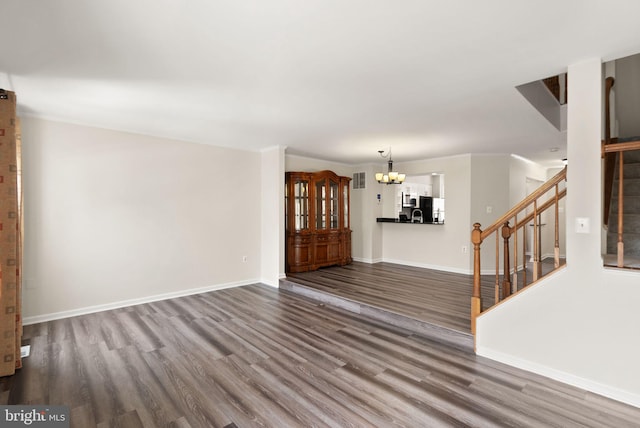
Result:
[
  {"x": 334, "y": 198},
  {"x": 321, "y": 205},
  {"x": 301, "y": 204},
  {"x": 345, "y": 201}
]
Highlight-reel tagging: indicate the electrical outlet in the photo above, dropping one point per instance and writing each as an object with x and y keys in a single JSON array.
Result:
[
  {"x": 244, "y": 259},
  {"x": 489, "y": 209},
  {"x": 464, "y": 249}
]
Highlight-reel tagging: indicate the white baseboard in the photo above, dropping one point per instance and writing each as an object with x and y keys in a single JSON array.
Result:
[
  {"x": 429, "y": 266},
  {"x": 568, "y": 378},
  {"x": 131, "y": 302},
  {"x": 546, "y": 256},
  {"x": 274, "y": 284},
  {"x": 363, "y": 260},
  {"x": 492, "y": 271},
  {"x": 551, "y": 256},
  {"x": 414, "y": 264}
]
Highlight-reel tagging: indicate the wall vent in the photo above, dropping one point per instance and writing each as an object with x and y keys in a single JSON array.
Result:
[{"x": 359, "y": 180}]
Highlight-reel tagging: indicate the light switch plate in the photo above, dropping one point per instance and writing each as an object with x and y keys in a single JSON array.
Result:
[{"x": 582, "y": 225}]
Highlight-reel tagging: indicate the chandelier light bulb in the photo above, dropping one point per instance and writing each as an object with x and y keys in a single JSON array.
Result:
[{"x": 391, "y": 176}]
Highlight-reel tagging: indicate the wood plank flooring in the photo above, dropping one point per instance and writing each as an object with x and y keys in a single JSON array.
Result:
[
  {"x": 257, "y": 356},
  {"x": 432, "y": 296}
]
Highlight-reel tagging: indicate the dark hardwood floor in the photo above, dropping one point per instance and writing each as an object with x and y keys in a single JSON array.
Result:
[
  {"x": 437, "y": 297},
  {"x": 441, "y": 298},
  {"x": 257, "y": 356}
]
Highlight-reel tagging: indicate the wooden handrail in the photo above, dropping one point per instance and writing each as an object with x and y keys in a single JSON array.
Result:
[
  {"x": 621, "y": 147},
  {"x": 562, "y": 175},
  {"x": 561, "y": 194},
  {"x": 502, "y": 228},
  {"x": 608, "y": 83},
  {"x": 609, "y": 159}
]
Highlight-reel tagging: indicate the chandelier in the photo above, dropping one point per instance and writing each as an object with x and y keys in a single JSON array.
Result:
[{"x": 391, "y": 176}]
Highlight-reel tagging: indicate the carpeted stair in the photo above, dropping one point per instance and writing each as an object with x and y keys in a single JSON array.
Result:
[{"x": 631, "y": 211}]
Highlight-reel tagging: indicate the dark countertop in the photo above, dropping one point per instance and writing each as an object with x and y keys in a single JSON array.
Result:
[{"x": 395, "y": 220}]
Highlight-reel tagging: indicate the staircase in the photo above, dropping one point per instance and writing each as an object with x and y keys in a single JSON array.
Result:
[
  {"x": 509, "y": 233},
  {"x": 623, "y": 246},
  {"x": 631, "y": 213}
]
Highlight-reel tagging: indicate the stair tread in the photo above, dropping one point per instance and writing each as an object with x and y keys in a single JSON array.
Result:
[
  {"x": 627, "y": 179},
  {"x": 631, "y": 209}
]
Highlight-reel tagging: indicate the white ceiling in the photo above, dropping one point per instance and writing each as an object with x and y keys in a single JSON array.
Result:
[{"x": 332, "y": 79}]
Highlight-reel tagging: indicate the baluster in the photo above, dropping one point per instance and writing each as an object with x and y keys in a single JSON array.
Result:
[
  {"x": 515, "y": 252},
  {"x": 476, "y": 299},
  {"x": 620, "y": 210},
  {"x": 496, "y": 289},
  {"x": 524, "y": 254},
  {"x": 506, "y": 283},
  {"x": 556, "y": 245},
  {"x": 536, "y": 243}
]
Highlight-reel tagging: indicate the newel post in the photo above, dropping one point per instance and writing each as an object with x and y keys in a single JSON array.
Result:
[
  {"x": 506, "y": 282},
  {"x": 476, "y": 300}
]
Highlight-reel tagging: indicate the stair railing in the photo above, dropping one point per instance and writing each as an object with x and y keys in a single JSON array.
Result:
[
  {"x": 527, "y": 213},
  {"x": 609, "y": 150},
  {"x": 609, "y": 158},
  {"x": 611, "y": 146}
]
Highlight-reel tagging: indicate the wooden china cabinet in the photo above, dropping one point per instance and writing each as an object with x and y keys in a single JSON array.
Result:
[{"x": 317, "y": 220}]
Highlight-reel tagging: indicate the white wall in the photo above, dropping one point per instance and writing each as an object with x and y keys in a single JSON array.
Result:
[
  {"x": 627, "y": 96},
  {"x": 489, "y": 188},
  {"x": 519, "y": 170},
  {"x": 367, "y": 239},
  {"x": 272, "y": 216},
  {"x": 580, "y": 325},
  {"x": 301, "y": 163},
  {"x": 431, "y": 246},
  {"x": 113, "y": 218}
]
